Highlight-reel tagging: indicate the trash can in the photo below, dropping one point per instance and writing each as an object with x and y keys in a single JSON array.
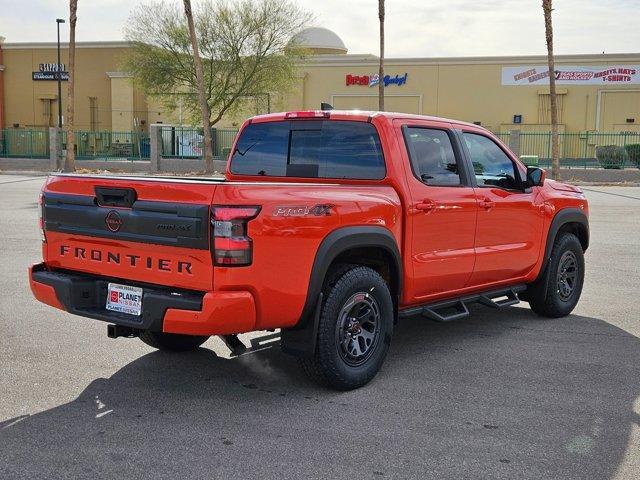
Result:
[{"x": 529, "y": 160}]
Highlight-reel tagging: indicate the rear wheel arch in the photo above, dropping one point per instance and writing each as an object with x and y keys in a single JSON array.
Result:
[
  {"x": 377, "y": 258},
  {"x": 371, "y": 246}
]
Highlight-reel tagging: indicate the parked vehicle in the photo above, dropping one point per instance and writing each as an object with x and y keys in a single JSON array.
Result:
[{"x": 329, "y": 225}]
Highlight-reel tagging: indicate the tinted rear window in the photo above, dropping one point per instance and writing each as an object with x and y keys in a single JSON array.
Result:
[{"x": 310, "y": 148}]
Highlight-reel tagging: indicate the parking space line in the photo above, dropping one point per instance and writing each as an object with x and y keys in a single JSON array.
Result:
[
  {"x": 23, "y": 180},
  {"x": 609, "y": 193}
]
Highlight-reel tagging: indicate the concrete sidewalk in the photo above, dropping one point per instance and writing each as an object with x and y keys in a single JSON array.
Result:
[{"x": 177, "y": 165}]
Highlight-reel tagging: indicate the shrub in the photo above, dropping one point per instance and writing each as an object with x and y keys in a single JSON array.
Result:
[
  {"x": 633, "y": 151},
  {"x": 611, "y": 156}
]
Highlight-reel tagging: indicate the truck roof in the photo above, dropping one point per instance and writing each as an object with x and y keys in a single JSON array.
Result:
[{"x": 362, "y": 115}]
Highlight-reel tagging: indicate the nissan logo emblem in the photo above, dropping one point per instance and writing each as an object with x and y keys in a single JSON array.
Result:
[{"x": 113, "y": 221}]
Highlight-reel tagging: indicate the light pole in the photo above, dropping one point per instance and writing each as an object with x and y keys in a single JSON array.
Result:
[{"x": 59, "y": 75}]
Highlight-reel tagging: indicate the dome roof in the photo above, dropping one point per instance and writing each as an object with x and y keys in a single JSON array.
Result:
[{"x": 320, "y": 40}]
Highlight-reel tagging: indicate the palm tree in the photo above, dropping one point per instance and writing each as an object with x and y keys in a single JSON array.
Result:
[
  {"x": 381, "y": 70},
  {"x": 204, "y": 106},
  {"x": 70, "y": 161},
  {"x": 555, "y": 144}
]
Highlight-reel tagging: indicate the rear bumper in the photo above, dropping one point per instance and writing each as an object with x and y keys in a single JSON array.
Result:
[{"x": 163, "y": 309}]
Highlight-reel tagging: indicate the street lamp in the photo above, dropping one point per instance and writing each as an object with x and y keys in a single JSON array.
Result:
[{"x": 59, "y": 75}]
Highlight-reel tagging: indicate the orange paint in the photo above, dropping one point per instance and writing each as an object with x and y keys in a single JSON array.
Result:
[
  {"x": 466, "y": 239},
  {"x": 44, "y": 293}
]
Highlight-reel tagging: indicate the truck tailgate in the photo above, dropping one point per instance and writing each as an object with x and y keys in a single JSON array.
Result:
[{"x": 149, "y": 230}]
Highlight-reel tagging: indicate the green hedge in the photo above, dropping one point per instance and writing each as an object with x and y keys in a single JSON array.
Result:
[
  {"x": 611, "y": 156},
  {"x": 633, "y": 150}
]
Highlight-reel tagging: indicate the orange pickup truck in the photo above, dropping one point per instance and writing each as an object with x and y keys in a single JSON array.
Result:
[{"x": 328, "y": 225}]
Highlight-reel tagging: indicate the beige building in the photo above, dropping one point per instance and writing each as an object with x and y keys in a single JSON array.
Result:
[
  {"x": 106, "y": 98},
  {"x": 598, "y": 92}
]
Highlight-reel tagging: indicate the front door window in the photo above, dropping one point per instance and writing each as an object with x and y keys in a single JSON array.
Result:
[{"x": 492, "y": 167}]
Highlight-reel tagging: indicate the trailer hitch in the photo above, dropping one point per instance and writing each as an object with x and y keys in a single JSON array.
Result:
[{"x": 115, "y": 331}]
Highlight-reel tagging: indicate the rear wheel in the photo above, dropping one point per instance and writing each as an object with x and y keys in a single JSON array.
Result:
[
  {"x": 172, "y": 341},
  {"x": 557, "y": 291},
  {"x": 355, "y": 329}
]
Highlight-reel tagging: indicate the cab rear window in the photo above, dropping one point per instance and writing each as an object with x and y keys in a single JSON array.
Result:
[{"x": 311, "y": 149}]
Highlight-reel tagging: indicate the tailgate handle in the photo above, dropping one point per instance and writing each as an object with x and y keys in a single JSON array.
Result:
[{"x": 115, "y": 197}]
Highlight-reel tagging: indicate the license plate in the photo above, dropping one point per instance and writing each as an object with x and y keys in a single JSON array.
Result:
[{"x": 124, "y": 299}]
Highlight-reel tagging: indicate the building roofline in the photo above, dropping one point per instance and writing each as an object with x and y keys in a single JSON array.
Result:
[
  {"x": 351, "y": 59},
  {"x": 45, "y": 45},
  {"x": 369, "y": 59}
]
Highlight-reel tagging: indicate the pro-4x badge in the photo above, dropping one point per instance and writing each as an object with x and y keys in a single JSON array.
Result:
[{"x": 319, "y": 210}]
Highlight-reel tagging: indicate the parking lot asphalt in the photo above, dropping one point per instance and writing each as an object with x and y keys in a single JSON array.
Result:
[{"x": 502, "y": 394}]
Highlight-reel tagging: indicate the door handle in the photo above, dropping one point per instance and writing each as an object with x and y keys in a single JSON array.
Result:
[
  {"x": 487, "y": 204},
  {"x": 425, "y": 205}
]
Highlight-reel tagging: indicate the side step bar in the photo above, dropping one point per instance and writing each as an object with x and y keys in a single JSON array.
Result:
[{"x": 457, "y": 308}]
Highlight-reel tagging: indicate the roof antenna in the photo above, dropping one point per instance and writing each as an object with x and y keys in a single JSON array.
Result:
[{"x": 326, "y": 106}]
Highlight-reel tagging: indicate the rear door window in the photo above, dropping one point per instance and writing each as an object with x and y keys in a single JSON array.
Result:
[
  {"x": 310, "y": 148},
  {"x": 432, "y": 157}
]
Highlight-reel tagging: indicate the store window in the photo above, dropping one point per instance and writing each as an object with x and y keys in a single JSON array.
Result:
[
  {"x": 47, "y": 109},
  {"x": 544, "y": 107},
  {"x": 93, "y": 113}
]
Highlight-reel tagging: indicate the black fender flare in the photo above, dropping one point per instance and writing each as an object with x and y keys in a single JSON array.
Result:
[
  {"x": 563, "y": 217},
  {"x": 300, "y": 340}
]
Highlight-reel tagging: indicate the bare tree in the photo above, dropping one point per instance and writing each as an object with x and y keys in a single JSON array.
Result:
[
  {"x": 381, "y": 70},
  {"x": 202, "y": 97},
  {"x": 555, "y": 143},
  {"x": 70, "y": 161}
]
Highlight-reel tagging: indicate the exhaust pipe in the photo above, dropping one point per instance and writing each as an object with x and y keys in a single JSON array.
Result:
[{"x": 115, "y": 331}]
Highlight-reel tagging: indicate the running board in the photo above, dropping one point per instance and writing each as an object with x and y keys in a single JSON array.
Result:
[{"x": 458, "y": 308}]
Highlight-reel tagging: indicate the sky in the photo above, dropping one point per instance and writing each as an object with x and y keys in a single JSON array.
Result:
[{"x": 414, "y": 28}]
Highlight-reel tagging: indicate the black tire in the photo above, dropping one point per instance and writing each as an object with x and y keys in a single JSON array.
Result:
[
  {"x": 354, "y": 331},
  {"x": 557, "y": 290},
  {"x": 171, "y": 341}
]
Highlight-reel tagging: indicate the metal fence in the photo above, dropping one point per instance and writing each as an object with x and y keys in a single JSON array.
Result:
[
  {"x": 107, "y": 145},
  {"x": 24, "y": 143},
  {"x": 187, "y": 142},
  {"x": 576, "y": 150}
]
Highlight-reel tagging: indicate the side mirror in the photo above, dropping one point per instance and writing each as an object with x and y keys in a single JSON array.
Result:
[{"x": 535, "y": 177}]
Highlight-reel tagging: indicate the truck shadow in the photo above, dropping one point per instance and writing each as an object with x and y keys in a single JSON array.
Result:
[{"x": 500, "y": 395}]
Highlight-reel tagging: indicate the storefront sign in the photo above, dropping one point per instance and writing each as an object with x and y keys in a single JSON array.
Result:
[
  {"x": 572, "y": 75},
  {"x": 373, "y": 80},
  {"x": 50, "y": 71}
]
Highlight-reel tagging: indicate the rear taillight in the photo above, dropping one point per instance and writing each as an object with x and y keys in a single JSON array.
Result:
[
  {"x": 41, "y": 216},
  {"x": 232, "y": 247}
]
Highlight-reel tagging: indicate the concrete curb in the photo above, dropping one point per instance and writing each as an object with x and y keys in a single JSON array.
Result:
[{"x": 174, "y": 165}]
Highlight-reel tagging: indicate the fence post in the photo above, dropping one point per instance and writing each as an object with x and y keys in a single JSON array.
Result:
[
  {"x": 514, "y": 141},
  {"x": 155, "y": 147},
  {"x": 54, "y": 148},
  {"x": 586, "y": 149}
]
